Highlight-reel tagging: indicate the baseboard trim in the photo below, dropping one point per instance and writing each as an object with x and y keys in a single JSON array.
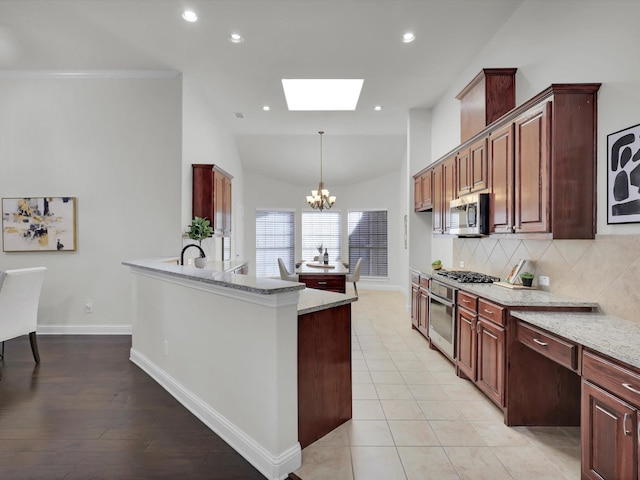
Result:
[
  {"x": 84, "y": 330},
  {"x": 273, "y": 467}
]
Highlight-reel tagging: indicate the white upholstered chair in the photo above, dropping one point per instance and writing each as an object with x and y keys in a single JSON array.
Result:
[
  {"x": 284, "y": 273},
  {"x": 19, "y": 298},
  {"x": 355, "y": 276}
]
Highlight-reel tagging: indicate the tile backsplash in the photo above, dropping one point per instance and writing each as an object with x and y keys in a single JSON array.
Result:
[{"x": 605, "y": 270}]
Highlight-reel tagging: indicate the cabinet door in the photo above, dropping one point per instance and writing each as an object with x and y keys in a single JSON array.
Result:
[
  {"x": 477, "y": 166},
  {"x": 415, "y": 312},
  {"x": 437, "y": 217},
  {"x": 531, "y": 158},
  {"x": 464, "y": 176},
  {"x": 466, "y": 361},
  {"x": 501, "y": 180},
  {"x": 218, "y": 202},
  {"x": 449, "y": 191},
  {"x": 427, "y": 198},
  {"x": 423, "y": 324},
  {"x": 609, "y": 427},
  {"x": 417, "y": 193},
  {"x": 226, "y": 206},
  {"x": 490, "y": 367}
]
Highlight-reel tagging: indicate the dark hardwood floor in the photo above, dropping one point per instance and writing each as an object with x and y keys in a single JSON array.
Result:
[{"x": 87, "y": 412}]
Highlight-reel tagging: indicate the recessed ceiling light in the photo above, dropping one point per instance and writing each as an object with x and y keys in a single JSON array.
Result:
[
  {"x": 408, "y": 37},
  {"x": 236, "y": 38},
  {"x": 377, "y": 108},
  {"x": 322, "y": 94},
  {"x": 266, "y": 108},
  {"x": 190, "y": 16}
]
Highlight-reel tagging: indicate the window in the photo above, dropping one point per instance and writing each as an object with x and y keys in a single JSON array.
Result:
[
  {"x": 275, "y": 237},
  {"x": 321, "y": 228},
  {"x": 368, "y": 240}
]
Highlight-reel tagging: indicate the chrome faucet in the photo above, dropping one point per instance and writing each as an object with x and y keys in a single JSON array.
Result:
[{"x": 202, "y": 254}]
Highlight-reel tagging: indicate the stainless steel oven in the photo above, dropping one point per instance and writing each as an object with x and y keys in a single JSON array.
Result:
[{"x": 442, "y": 317}]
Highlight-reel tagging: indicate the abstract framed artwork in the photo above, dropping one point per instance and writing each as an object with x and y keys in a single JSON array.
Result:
[
  {"x": 36, "y": 224},
  {"x": 623, "y": 176}
]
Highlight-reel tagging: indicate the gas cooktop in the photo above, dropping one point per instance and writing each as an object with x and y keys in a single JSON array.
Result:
[{"x": 468, "y": 277}]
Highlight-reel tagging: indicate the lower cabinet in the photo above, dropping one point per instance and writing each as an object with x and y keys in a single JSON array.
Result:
[
  {"x": 481, "y": 345},
  {"x": 420, "y": 303},
  {"x": 609, "y": 409}
]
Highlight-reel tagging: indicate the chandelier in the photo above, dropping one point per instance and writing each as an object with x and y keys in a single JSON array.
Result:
[{"x": 320, "y": 199}]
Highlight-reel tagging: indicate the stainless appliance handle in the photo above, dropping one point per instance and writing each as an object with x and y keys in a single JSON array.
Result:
[{"x": 441, "y": 300}]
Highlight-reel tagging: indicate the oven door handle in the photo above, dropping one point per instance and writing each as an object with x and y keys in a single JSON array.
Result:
[{"x": 441, "y": 300}]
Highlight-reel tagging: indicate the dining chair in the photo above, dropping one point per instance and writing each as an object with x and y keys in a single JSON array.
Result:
[
  {"x": 284, "y": 273},
  {"x": 19, "y": 298},
  {"x": 355, "y": 276}
]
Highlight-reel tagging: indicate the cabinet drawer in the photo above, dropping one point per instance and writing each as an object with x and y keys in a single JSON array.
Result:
[
  {"x": 424, "y": 282},
  {"x": 491, "y": 312},
  {"x": 467, "y": 301},
  {"x": 334, "y": 283},
  {"x": 557, "y": 349},
  {"x": 415, "y": 278},
  {"x": 621, "y": 381}
]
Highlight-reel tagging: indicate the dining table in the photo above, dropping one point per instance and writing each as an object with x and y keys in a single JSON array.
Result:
[{"x": 315, "y": 274}]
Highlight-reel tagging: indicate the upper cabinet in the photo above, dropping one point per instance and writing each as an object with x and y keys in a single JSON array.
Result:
[
  {"x": 422, "y": 193},
  {"x": 538, "y": 163},
  {"x": 490, "y": 95},
  {"x": 211, "y": 197}
]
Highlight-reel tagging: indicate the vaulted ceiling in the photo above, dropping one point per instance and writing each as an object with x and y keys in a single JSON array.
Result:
[{"x": 283, "y": 39}]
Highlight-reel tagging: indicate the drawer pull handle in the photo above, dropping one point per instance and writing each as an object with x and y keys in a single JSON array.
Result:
[
  {"x": 624, "y": 424},
  {"x": 322, "y": 283},
  {"x": 630, "y": 388},
  {"x": 490, "y": 312},
  {"x": 539, "y": 342},
  {"x": 465, "y": 301}
]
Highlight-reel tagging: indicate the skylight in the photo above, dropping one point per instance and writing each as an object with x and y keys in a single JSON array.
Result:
[{"x": 322, "y": 94}]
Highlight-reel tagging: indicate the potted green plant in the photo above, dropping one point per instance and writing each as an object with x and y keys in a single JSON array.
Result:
[
  {"x": 199, "y": 229},
  {"x": 436, "y": 264},
  {"x": 527, "y": 279}
]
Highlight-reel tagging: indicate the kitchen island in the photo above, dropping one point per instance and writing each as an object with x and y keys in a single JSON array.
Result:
[
  {"x": 228, "y": 347},
  {"x": 330, "y": 277}
]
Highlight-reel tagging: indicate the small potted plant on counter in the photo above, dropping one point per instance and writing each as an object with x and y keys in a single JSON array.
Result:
[
  {"x": 436, "y": 264},
  {"x": 200, "y": 229},
  {"x": 527, "y": 279}
]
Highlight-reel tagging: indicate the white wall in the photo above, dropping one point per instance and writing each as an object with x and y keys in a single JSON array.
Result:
[
  {"x": 382, "y": 193},
  {"x": 115, "y": 144},
  {"x": 560, "y": 42},
  {"x": 205, "y": 140}
]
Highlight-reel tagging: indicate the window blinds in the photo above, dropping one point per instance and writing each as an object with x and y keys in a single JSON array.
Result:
[
  {"x": 275, "y": 237},
  {"x": 368, "y": 240}
]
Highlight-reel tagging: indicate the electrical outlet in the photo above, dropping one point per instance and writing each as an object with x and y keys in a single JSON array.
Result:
[
  {"x": 166, "y": 347},
  {"x": 543, "y": 280},
  {"x": 461, "y": 263},
  {"x": 88, "y": 307}
]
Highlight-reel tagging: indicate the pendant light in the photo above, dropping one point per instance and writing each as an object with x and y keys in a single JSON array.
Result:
[{"x": 320, "y": 198}]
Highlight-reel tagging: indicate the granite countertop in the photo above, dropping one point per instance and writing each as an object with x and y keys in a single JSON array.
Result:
[
  {"x": 259, "y": 285},
  {"x": 612, "y": 336},
  {"x": 514, "y": 297},
  {"x": 313, "y": 300}
]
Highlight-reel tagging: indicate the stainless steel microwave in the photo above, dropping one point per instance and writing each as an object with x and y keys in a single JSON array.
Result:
[{"x": 470, "y": 215}]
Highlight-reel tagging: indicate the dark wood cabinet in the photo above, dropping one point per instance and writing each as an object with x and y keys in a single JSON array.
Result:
[
  {"x": 422, "y": 192},
  {"x": 491, "y": 94},
  {"x": 491, "y": 359},
  {"x": 531, "y": 189},
  {"x": 438, "y": 199},
  {"x": 472, "y": 168},
  {"x": 500, "y": 154},
  {"x": 481, "y": 345},
  {"x": 609, "y": 431},
  {"x": 449, "y": 191},
  {"x": 610, "y": 403},
  {"x": 331, "y": 282},
  {"x": 420, "y": 304},
  {"x": 211, "y": 197}
]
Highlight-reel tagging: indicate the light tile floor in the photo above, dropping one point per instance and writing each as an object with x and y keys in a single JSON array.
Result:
[{"x": 414, "y": 419}]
